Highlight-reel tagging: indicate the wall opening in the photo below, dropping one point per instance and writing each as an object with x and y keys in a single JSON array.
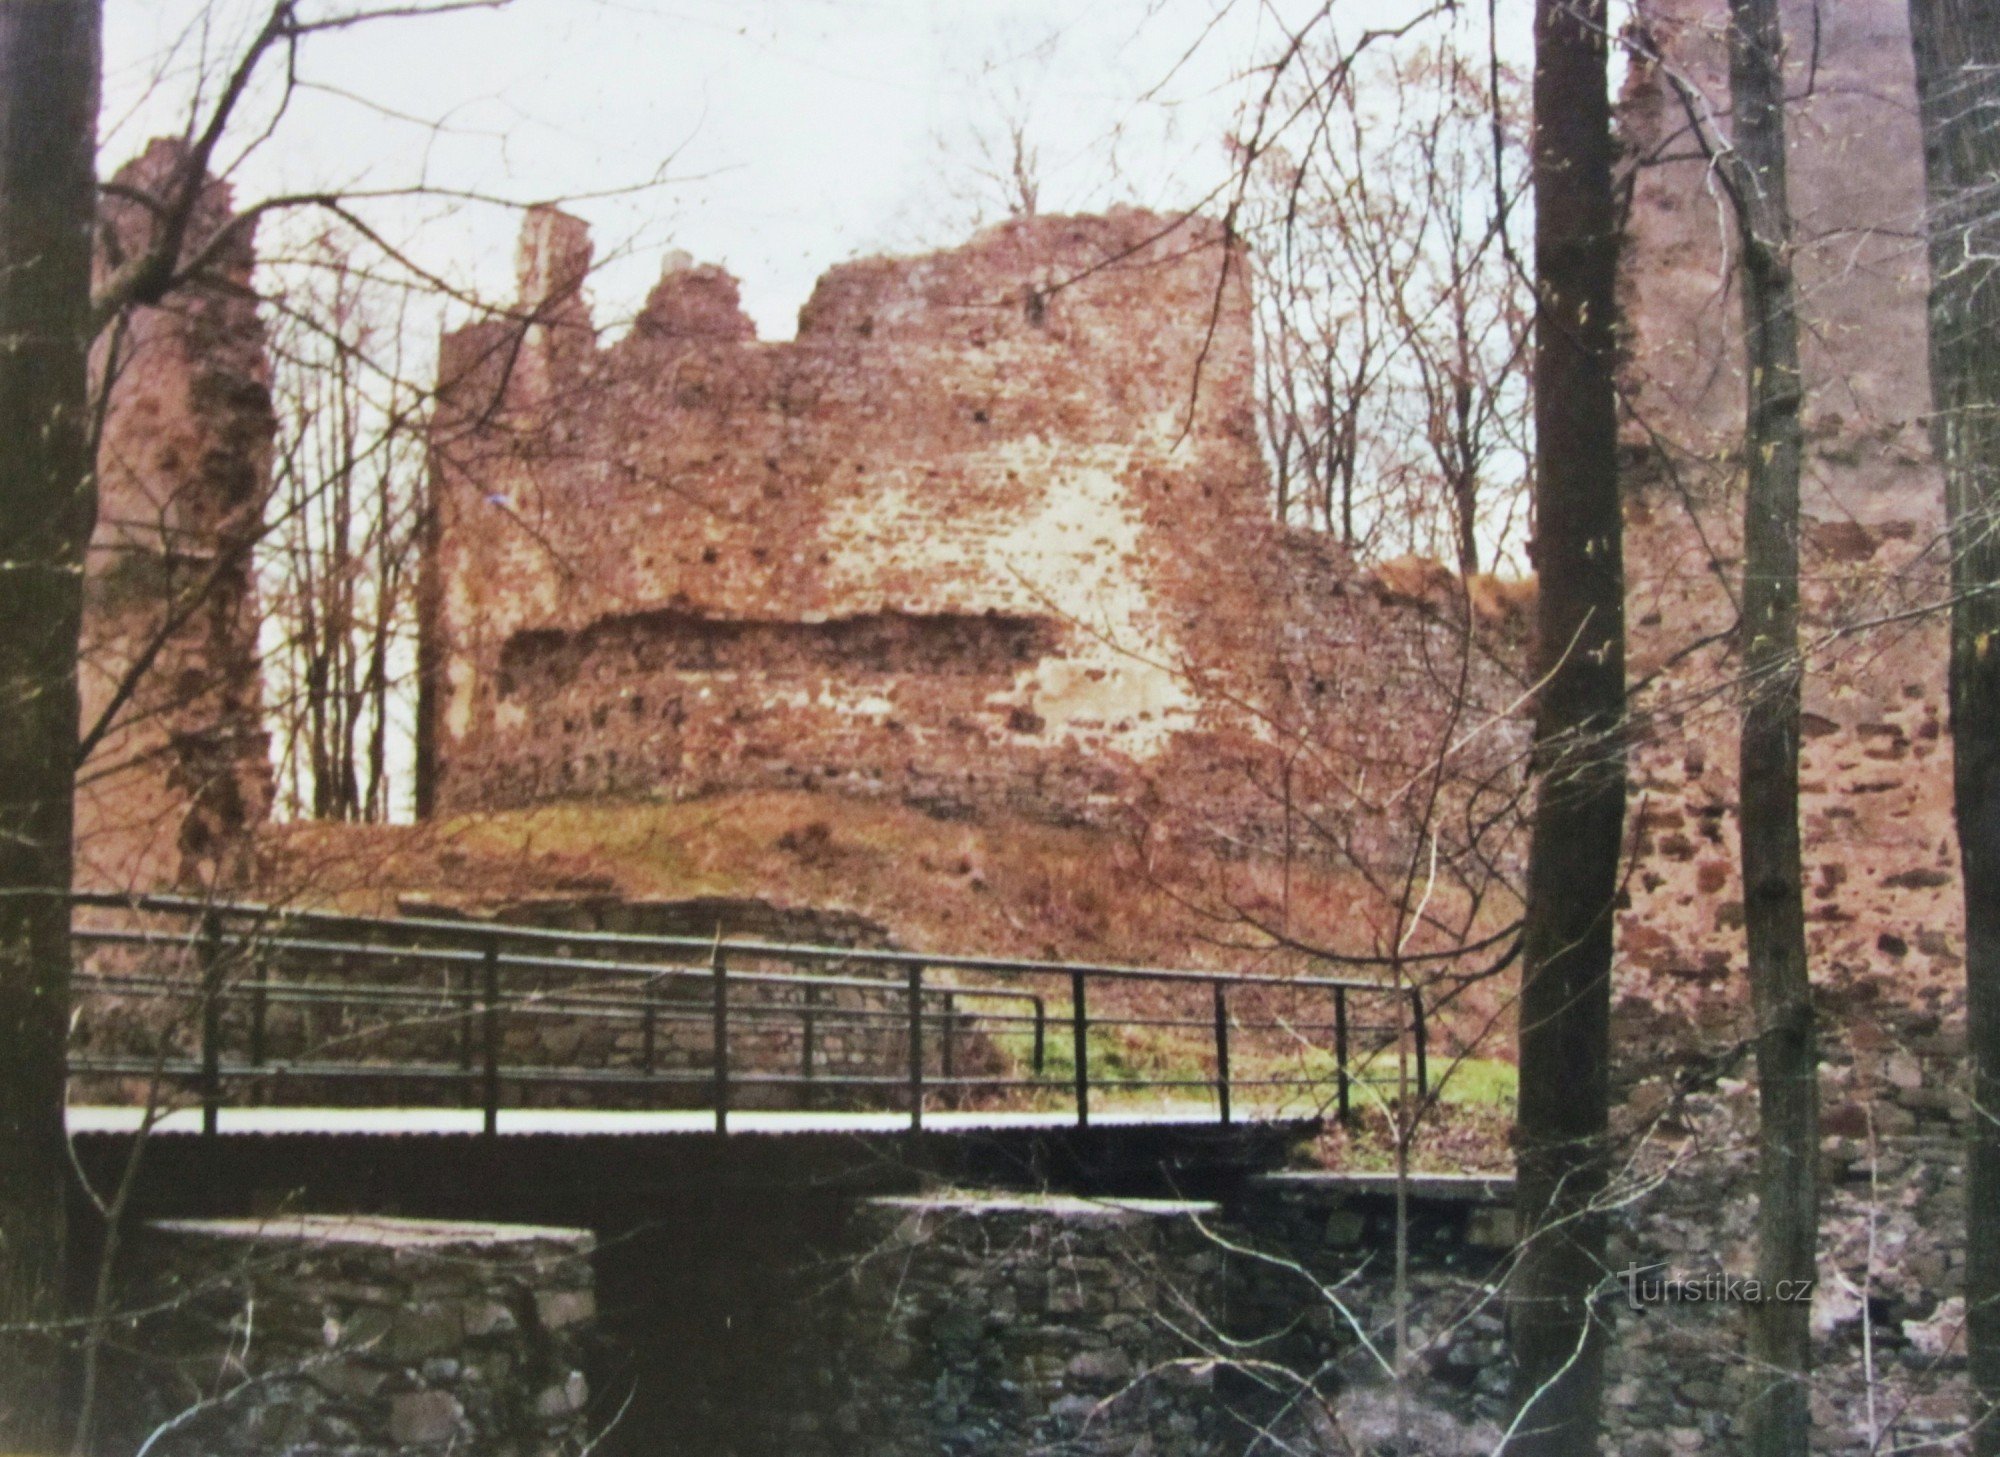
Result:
[{"x": 675, "y": 640}]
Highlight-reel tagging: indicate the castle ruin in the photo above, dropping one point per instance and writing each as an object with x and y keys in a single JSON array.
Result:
[
  {"x": 994, "y": 530},
  {"x": 178, "y": 768}
]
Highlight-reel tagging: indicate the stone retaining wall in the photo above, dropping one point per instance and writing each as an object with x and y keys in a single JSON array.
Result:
[
  {"x": 1888, "y": 1348},
  {"x": 1001, "y": 1324},
  {"x": 993, "y": 1323},
  {"x": 358, "y": 1336},
  {"x": 996, "y": 1323}
]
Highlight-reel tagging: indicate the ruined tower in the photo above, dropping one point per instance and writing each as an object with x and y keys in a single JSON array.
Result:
[
  {"x": 1883, "y": 879},
  {"x": 179, "y": 770},
  {"x": 952, "y": 543}
]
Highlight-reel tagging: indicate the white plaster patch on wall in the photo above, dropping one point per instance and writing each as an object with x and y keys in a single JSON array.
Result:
[
  {"x": 894, "y": 530},
  {"x": 1069, "y": 551},
  {"x": 460, "y": 674},
  {"x": 1076, "y": 556}
]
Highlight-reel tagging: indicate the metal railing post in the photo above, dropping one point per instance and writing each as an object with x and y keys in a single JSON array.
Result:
[
  {"x": 808, "y": 1029},
  {"x": 260, "y": 996},
  {"x": 1340, "y": 1049},
  {"x": 468, "y": 1008},
  {"x": 1222, "y": 1052},
  {"x": 1422, "y": 1038},
  {"x": 916, "y": 1049},
  {"x": 1080, "y": 1042},
  {"x": 208, "y": 953},
  {"x": 649, "y": 1027},
  {"x": 490, "y": 1032},
  {"x": 947, "y": 1065},
  {"x": 720, "y": 966},
  {"x": 1041, "y": 1035}
]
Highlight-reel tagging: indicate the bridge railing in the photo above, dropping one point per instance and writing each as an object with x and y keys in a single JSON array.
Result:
[{"x": 231, "y": 1004}]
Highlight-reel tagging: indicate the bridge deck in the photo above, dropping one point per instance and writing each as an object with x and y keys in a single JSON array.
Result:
[{"x": 597, "y": 1123}]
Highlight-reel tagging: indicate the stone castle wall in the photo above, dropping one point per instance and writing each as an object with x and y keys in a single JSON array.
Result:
[
  {"x": 992, "y": 531},
  {"x": 1883, "y": 895},
  {"x": 169, "y": 653}
]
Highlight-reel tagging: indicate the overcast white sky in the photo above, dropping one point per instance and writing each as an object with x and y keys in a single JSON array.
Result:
[{"x": 791, "y": 133}]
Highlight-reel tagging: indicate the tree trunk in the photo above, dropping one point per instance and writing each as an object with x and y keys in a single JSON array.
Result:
[
  {"x": 1573, "y": 860},
  {"x": 48, "y": 142},
  {"x": 1773, "y": 907},
  {"x": 1957, "y": 44}
]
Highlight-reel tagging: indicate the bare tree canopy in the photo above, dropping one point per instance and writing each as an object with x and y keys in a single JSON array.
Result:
[{"x": 1395, "y": 339}]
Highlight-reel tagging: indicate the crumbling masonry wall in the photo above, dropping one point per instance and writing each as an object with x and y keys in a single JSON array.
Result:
[
  {"x": 992, "y": 531},
  {"x": 1883, "y": 892},
  {"x": 1884, "y": 907},
  {"x": 169, "y": 656}
]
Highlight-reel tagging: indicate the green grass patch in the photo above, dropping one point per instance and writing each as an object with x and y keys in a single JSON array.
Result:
[{"x": 1480, "y": 1082}]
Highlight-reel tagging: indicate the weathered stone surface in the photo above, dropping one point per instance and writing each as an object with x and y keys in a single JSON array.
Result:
[
  {"x": 424, "y": 1418},
  {"x": 371, "y": 1337},
  {"x": 994, "y": 530},
  {"x": 1883, "y": 897},
  {"x": 559, "y": 1308},
  {"x": 925, "y": 1361},
  {"x": 183, "y": 469}
]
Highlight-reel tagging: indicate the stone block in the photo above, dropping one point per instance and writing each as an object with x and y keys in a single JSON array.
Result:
[
  {"x": 424, "y": 1418},
  {"x": 558, "y": 1309},
  {"x": 349, "y": 1379},
  {"x": 1108, "y": 1364},
  {"x": 564, "y": 1399},
  {"x": 487, "y": 1317},
  {"x": 424, "y": 1331}
]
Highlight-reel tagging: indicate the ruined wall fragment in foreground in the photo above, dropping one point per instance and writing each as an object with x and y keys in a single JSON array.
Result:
[
  {"x": 1883, "y": 897},
  {"x": 1882, "y": 876},
  {"x": 171, "y": 615},
  {"x": 992, "y": 531}
]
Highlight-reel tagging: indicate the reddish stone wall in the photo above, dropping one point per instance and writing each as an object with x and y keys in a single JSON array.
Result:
[
  {"x": 993, "y": 530},
  {"x": 1883, "y": 895},
  {"x": 171, "y": 619}
]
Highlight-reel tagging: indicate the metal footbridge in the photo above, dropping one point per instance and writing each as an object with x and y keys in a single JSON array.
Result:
[
  {"x": 266, "y": 1046},
  {"x": 221, "y": 1016}
]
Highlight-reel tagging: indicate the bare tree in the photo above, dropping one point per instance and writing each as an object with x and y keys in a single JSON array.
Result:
[
  {"x": 992, "y": 163},
  {"x": 1574, "y": 852},
  {"x": 49, "y": 58},
  {"x": 341, "y": 556},
  {"x": 1773, "y": 876},
  {"x": 1395, "y": 328},
  {"x": 1957, "y": 45}
]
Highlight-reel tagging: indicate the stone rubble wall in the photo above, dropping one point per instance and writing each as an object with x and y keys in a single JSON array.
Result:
[
  {"x": 1883, "y": 894},
  {"x": 992, "y": 1323},
  {"x": 183, "y": 469},
  {"x": 1001, "y": 1325},
  {"x": 1889, "y": 1305},
  {"x": 356, "y": 1336},
  {"x": 993, "y": 532}
]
